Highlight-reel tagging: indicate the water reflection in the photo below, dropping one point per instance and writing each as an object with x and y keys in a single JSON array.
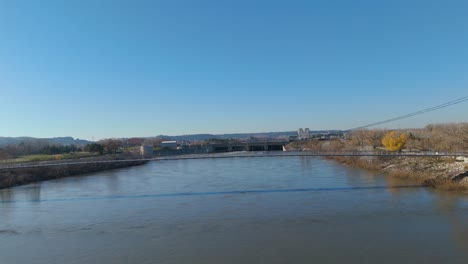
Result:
[
  {"x": 358, "y": 177},
  {"x": 7, "y": 195},
  {"x": 306, "y": 164},
  {"x": 277, "y": 210},
  {"x": 35, "y": 192},
  {"x": 112, "y": 182},
  {"x": 30, "y": 193},
  {"x": 221, "y": 193},
  {"x": 452, "y": 205},
  {"x": 460, "y": 230},
  {"x": 391, "y": 180}
]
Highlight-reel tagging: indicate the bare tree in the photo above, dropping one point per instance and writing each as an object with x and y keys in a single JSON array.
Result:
[
  {"x": 4, "y": 155},
  {"x": 111, "y": 145}
]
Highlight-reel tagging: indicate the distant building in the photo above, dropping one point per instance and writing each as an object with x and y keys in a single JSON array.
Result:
[
  {"x": 146, "y": 151},
  {"x": 303, "y": 134},
  {"x": 168, "y": 144}
]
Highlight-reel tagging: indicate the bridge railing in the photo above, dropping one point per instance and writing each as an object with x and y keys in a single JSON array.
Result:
[{"x": 243, "y": 154}]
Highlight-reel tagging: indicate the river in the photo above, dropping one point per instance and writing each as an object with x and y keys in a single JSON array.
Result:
[{"x": 235, "y": 210}]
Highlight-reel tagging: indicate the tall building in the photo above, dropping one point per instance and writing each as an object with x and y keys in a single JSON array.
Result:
[{"x": 303, "y": 134}]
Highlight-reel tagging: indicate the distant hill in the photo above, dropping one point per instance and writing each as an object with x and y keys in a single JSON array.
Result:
[
  {"x": 193, "y": 137},
  {"x": 270, "y": 135},
  {"x": 55, "y": 141},
  {"x": 199, "y": 137},
  {"x": 68, "y": 141}
]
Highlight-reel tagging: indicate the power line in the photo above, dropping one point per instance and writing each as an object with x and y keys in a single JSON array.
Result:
[{"x": 447, "y": 104}]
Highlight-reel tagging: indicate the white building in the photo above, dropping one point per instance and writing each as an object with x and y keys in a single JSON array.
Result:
[
  {"x": 168, "y": 144},
  {"x": 303, "y": 134}
]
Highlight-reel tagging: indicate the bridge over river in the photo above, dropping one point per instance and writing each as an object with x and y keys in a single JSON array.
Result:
[{"x": 248, "y": 146}]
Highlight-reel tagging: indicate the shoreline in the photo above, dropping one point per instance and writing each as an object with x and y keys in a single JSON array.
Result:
[
  {"x": 438, "y": 173},
  {"x": 15, "y": 176}
]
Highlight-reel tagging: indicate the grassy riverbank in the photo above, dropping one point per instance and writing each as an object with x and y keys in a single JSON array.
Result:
[{"x": 44, "y": 157}]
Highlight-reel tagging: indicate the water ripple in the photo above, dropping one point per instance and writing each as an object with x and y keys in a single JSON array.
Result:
[{"x": 353, "y": 188}]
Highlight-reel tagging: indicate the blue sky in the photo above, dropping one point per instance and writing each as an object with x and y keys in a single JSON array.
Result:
[{"x": 95, "y": 68}]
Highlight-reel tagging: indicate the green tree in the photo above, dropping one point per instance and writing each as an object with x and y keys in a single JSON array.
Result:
[{"x": 94, "y": 147}]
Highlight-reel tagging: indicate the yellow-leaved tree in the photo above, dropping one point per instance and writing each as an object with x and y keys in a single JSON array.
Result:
[{"x": 394, "y": 142}]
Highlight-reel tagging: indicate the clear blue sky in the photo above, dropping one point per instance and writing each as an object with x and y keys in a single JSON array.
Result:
[{"x": 96, "y": 68}]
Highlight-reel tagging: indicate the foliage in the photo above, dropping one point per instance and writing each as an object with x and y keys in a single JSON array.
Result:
[
  {"x": 51, "y": 150},
  {"x": 394, "y": 142},
  {"x": 32, "y": 146},
  {"x": 95, "y": 147},
  {"x": 363, "y": 138},
  {"x": 4, "y": 154},
  {"x": 135, "y": 141},
  {"x": 439, "y": 137},
  {"x": 111, "y": 145}
]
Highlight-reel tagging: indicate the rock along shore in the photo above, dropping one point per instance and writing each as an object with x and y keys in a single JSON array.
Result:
[
  {"x": 15, "y": 176},
  {"x": 438, "y": 172}
]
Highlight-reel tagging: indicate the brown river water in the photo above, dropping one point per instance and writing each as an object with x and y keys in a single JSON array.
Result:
[{"x": 234, "y": 210}]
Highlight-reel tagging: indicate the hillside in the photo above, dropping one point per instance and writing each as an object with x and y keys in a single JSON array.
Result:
[{"x": 4, "y": 141}]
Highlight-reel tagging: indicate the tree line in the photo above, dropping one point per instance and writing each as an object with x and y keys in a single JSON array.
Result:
[
  {"x": 105, "y": 146},
  {"x": 435, "y": 137}
]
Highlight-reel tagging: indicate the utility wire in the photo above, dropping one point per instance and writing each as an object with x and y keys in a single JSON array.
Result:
[{"x": 447, "y": 104}]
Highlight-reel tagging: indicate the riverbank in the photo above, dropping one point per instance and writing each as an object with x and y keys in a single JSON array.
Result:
[
  {"x": 443, "y": 171},
  {"x": 437, "y": 172},
  {"x": 10, "y": 177}
]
